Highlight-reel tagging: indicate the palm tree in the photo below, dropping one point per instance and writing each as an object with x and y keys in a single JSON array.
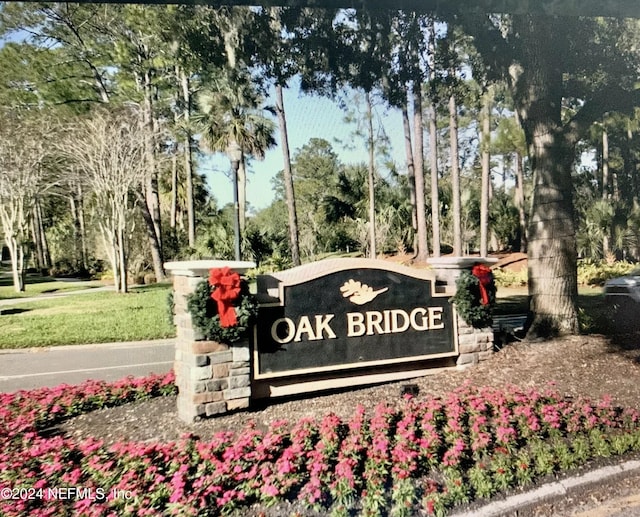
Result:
[{"x": 232, "y": 115}]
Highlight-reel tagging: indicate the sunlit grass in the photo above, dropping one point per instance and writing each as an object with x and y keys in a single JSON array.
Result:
[
  {"x": 99, "y": 317},
  {"x": 36, "y": 286}
]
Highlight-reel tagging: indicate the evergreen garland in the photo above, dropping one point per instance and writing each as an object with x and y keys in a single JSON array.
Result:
[
  {"x": 468, "y": 301},
  {"x": 204, "y": 314}
]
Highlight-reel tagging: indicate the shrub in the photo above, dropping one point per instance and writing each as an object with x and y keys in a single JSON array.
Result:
[
  {"x": 590, "y": 272},
  {"x": 506, "y": 278},
  {"x": 597, "y": 273},
  {"x": 106, "y": 275}
]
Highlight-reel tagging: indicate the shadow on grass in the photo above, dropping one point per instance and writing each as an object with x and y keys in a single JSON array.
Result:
[
  {"x": 515, "y": 304},
  {"x": 30, "y": 279},
  {"x": 592, "y": 303},
  {"x": 150, "y": 287},
  {"x": 12, "y": 310}
]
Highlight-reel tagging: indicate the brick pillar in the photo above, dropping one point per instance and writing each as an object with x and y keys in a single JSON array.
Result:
[
  {"x": 474, "y": 344},
  {"x": 212, "y": 378}
]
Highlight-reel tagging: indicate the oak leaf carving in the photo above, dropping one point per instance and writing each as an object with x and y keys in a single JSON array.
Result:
[{"x": 359, "y": 293}]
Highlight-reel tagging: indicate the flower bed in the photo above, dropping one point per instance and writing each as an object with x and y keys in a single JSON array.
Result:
[{"x": 430, "y": 453}]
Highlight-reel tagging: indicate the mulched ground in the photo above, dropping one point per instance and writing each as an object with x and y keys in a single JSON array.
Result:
[
  {"x": 588, "y": 366},
  {"x": 579, "y": 366}
]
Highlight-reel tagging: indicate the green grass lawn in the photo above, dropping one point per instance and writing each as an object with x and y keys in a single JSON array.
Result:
[
  {"x": 37, "y": 285},
  {"x": 99, "y": 317}
]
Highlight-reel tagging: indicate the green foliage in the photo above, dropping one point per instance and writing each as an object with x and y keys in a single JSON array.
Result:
[
  {"x": 480, "y": 480},
  {"x": 204, "y": 314},
  {"x": 506, "y": 278},
  {"x": 590, "y": 272},
  {"x": 468, "y": 302},
  {"x": 504, "y": 220},
  {"x": 598, "y": 272}
]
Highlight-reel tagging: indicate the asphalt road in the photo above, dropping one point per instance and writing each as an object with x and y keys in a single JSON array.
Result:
[{"x": 38, "y": 367}]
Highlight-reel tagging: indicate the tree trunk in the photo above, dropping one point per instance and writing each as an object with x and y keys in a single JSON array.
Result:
[
  {"x": 99, "y": 83},
  {"x": 433, "y": 146},
  {"x": 173, "y": 209},
  {"x": 418, "y": 160},
  {"x": 35, "y": 236},
  {"x": 455, "y": 177},
  {"x": 42, "y": 236},
  {"x": 76, "y": 228},
  {"x": 519, "y": 201},
  {"x": 16, "y": 253},
  {"x": 433, "y": 165},
  {"x": 630, "y": 167},
  {"x": 411, "y": 172},
  {"x": 156, "y": 254},
  {"x": 153, "y": 209},
  {"x": 606, "y": 181},
  {"x": 486, "y": 175},
  {"x": 152, "y": 196},
  {"x": 83, "y": 232},
  {"x": 371, "y": 180},
  {"x": 552, "y": 247},
  {"x": 122, "y": 259},
  {"x": 242, "y": 194},
  {"x": 191, "y": 212},
  {"x": 552, "y": 256},
  {"x": 288, "y": 177},
  {"x": 110, "y": 244},
  {"x": 188, "y": 161},
  {"x": 15, "y": 228}
]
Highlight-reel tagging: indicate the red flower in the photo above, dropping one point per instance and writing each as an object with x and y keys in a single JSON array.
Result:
[{"x": 226, "y": 289}]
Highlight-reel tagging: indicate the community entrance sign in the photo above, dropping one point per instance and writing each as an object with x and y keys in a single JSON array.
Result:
[
  {"x": 326, "y": 325},
  {"x": 345, "y": 314}
]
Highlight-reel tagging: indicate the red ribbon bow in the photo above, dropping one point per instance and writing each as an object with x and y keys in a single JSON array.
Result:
[
  {"x": 226, "y": 289},
  {"x": 484, "y": 275}
]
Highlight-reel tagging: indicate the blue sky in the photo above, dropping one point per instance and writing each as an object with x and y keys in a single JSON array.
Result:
[{"x": 307, "y": 117}]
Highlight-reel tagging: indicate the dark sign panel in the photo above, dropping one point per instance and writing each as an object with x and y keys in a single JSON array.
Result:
[{"x": 351, "y": 318}]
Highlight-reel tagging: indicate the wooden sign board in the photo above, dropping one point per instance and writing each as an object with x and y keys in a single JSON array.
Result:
[{"x": 346, "y": 314}]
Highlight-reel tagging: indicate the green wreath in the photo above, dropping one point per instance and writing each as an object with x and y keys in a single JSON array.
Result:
[
  {"x": 205, "y": 317},
  {"x": 468, "y": 300}
]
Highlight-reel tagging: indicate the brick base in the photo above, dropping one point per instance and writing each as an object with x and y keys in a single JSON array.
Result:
[{"x": 474, "y": 344}]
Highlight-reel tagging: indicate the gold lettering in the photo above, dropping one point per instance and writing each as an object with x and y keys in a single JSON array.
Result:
[
  {"x": 387, "y": 322},
  {"x": 322, "y": 326},
  {"x": 435, "y": 314},
  {"x": 304, "y": 327},
  {"x": 373, "y": 322},
  {"x": 355, "y": 324},
  {"x": 413, "y": 317},
  {"x": 291, "y": 329},
  {"x": 395, "y": 327}
]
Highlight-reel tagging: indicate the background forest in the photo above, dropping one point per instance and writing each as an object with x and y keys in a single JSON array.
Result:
[{"x": 110, "y": 115}]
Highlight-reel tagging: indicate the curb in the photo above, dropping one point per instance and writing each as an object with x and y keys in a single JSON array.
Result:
[
  {"x": 119, "y": 344},
  {"x": 551, "y": 491}
]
